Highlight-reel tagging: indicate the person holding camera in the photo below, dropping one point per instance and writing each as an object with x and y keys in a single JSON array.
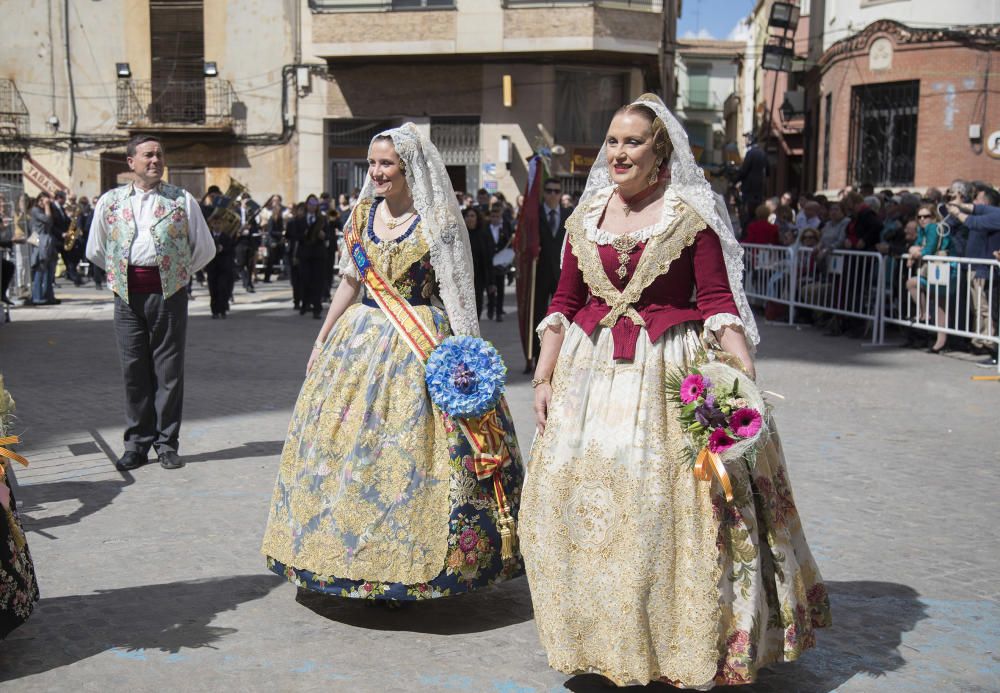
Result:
[
  {"x": 44, "y": 251},
  {"x": 930, "y": 241},
  {"x": 982, "y": 218}
]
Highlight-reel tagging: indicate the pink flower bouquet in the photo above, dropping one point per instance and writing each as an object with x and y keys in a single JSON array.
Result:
[{"x": 721, "y": 410}]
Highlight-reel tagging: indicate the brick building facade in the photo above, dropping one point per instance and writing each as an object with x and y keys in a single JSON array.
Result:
[{"x": 901, "y": 107}]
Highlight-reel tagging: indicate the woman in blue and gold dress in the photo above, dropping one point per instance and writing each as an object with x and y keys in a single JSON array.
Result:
[{"x": 377, "y": 496}]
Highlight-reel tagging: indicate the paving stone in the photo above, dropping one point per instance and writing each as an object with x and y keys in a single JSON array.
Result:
[{"x": 152, "y": 580}]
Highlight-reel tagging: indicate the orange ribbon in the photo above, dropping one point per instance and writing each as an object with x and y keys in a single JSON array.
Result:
[
  {"x": 15, "y": 530},
  {"x": 486, "y": 435},
  {"x": 709, "y": 462},
  {"x": 10, "y": 454}
]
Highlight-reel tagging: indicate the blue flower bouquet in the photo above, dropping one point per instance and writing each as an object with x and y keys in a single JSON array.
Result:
[{"x": 465, "y": 377}]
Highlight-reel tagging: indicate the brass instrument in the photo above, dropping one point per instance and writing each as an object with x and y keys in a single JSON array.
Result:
[
  {"x": 225, "y": 216},
  {"x": 72, "y": 235}
]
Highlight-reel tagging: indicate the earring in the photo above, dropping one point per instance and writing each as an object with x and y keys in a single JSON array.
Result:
[{"x": 654, "y": 174}]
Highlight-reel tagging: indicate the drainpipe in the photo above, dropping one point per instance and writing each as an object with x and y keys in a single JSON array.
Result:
[{"x": 72, "y": 91}]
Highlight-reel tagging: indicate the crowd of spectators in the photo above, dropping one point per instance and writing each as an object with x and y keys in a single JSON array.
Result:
[{"x": 962, "y": 221}]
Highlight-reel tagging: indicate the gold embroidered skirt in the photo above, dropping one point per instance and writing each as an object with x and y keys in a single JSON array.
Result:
[
  {"x": 638, "y": 571},
  {"x": 376, "y": 496}
]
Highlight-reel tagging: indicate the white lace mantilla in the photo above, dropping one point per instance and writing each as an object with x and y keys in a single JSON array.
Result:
[
  {"x": 441, "y": 223},
  {"x": 687, "y": 181}
]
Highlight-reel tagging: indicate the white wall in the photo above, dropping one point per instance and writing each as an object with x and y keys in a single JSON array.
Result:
[
  {"x": 721, "y": 83},
  {"x": 847, "y": 17}
]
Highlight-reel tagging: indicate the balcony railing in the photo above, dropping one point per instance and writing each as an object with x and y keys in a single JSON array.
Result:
[
  {"x": 205, "y": 104},
  {"x": 13, "y": 112},
  {"x": 385, "y": 5},
  {"x": 457, "y": 142},
  {"x": 378, "y": 5},
  {"x": 655, "y": 5}
]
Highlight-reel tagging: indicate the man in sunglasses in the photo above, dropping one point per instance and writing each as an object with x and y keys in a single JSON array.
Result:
[{"x": 551, "y": 231}]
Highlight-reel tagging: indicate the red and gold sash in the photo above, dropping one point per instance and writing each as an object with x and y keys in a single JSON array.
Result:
[
  {"x": 484, "y": 433},
  {"x": 15, "y": 530}
]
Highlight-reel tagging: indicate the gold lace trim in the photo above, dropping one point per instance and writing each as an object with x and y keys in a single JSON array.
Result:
[
  {"x": 393, "y": 258},
  {"x": 661, "y": 251}
]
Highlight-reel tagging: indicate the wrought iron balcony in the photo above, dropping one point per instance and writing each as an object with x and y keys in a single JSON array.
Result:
[
  {"x": 13, "y": 112},
  {"x": 652, "y": 5},
  {"x": 168, "y": 105}
]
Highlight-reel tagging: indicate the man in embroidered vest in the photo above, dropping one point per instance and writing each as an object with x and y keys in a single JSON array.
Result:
[{"x": 151, "y": 238}]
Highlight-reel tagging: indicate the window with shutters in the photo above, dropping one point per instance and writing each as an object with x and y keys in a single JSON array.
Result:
[
  {"x": 177, "y": 45},
  {"x": 698, "y": 91}
]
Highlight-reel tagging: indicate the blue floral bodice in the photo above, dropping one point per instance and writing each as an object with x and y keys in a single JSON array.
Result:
[{"x": 405, "y": 261}]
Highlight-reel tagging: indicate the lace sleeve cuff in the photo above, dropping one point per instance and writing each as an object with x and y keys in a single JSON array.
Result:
[
  {"x": 551, "y": 321},
  {"x": 715, "y": 323}
]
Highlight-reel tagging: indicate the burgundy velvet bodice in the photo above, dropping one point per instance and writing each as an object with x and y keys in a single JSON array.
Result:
[{"x": 694, "y": 288}]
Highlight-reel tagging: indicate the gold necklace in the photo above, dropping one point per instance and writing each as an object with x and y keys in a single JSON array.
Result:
[
  {"x": 624, "y": 244},
  {"x": 391, "y": 221}
]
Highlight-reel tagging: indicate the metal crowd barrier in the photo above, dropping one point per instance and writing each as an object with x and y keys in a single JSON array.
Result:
[
  {"x": 954, "y": 295},
  {"x": 843, "y": 282},
  {"x": 944, "y": 294},
  {"x": 4, "y": 308}
]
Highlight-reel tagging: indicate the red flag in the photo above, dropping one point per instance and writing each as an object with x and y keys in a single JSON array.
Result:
[{"x": 526, "y": 245}]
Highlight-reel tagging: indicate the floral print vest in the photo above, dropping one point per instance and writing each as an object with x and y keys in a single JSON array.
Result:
[{"x": 170, "y": 235}]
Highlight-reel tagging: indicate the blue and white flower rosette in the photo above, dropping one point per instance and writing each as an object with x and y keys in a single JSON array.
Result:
[{"x": 465, "y": 376}]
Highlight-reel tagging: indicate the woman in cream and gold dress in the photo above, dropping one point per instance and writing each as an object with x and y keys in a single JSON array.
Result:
[
  {"x": 638, "y": 570},
  {"x": 376, "y": 497}
]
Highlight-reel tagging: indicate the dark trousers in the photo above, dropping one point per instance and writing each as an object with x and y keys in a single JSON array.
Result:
[
  {"x": 329, "y": 270},
  {"x": 220, "y": 284},
  {"x": 295, "y": 279},
  {"x": 6, "y": 275},
  {"x": 98, "y": 275},
  {"x": 246, "y": 261},
  {"x": 70, "y": 260},
  {"x": 494, "y": 301},
  {"x": 311, "y": 280},
  {"x": 480, "y": 289},
  {"x": 274, "y": 255},
  {"x": 151, "y": 331}
]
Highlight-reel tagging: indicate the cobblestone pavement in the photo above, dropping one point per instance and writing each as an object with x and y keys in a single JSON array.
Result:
[{"x": 153, "y": 580}]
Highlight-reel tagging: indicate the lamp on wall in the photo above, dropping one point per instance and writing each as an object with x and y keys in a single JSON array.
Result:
[
  {"x": 794, "y": 105},
  {"x": 784, "y": 15},
  {"x": 503, "y": 151},
  {"x": 210, "y": 69},
  {"x": 123, "y": 70},
  {"x": 777, "y": 56},
  {"x": 508, "y": 91}
]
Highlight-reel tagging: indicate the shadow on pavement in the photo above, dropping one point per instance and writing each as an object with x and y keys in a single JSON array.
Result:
[
  {"x": 869, "y": 620},
  {"x": 507, "y": 604},
  {"x": 167, "y": 617},
  {"x": 93, "y": 496},
  {"x": 263, "y": 448}
]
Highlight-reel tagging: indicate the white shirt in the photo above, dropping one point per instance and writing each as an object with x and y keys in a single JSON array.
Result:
[
  {"x": 495, "y": 230},
  {"x": 142, "y": 253}
]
